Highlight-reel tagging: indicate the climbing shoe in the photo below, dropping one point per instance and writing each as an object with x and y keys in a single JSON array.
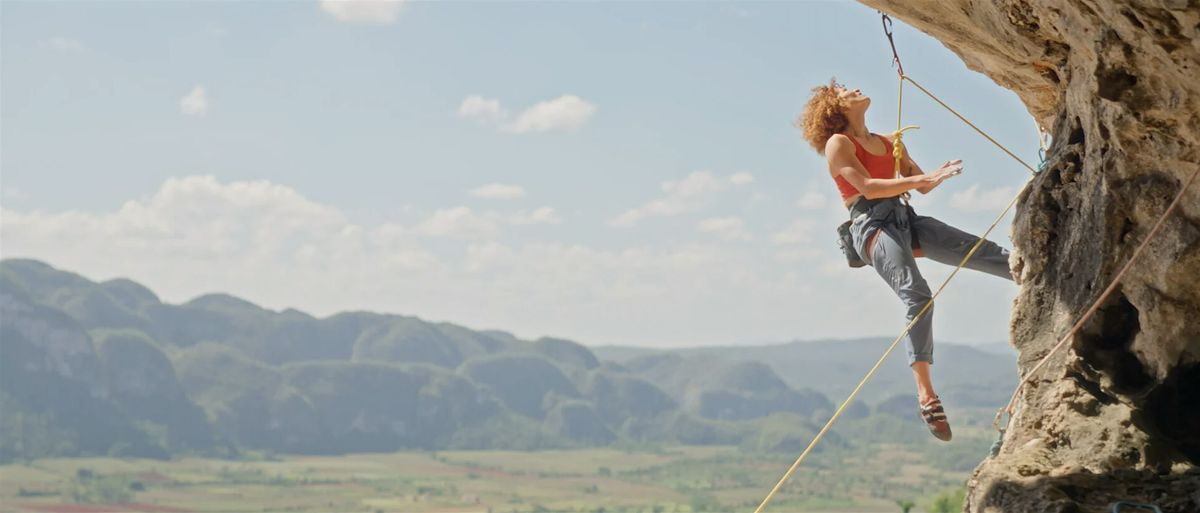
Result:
[{"x": 935, "y": 418}]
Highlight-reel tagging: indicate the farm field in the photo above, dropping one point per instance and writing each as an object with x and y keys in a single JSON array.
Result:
[{"x": 673, "y": 479}]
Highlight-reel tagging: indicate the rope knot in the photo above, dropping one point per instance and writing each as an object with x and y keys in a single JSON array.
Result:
[{"x": 898, "y": 145}]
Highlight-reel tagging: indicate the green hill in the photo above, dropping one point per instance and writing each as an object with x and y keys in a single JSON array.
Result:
[
  {"x": 730, "y": 389},
  {"x": 525, "y": 383},
  {"x": 108, "y": 368},
  {"x": 142, "y": 382},
  {"x": 56, "y": 392},
  {"x": 411, "y": 340}
]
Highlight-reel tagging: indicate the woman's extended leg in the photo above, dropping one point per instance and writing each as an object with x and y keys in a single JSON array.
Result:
[
  {"x": 891, "y": 256},
  {"x": 924, "y": 381},
  {"x": 948, "y": 245}
]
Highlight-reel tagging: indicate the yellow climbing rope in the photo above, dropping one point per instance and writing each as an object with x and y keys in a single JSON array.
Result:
[
  {"x": 1112, "y": 286},
  {"x": 969, "y": 123},
  {"x": 897, "y": 153},
  {"x": 905, "y": 331},
  {"x": 898, "y": 135}
]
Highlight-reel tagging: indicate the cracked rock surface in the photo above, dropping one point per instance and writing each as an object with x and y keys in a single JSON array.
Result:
[{"x": 1116, "y": 415}]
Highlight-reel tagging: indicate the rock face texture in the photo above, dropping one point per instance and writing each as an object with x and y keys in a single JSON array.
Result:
[{"x": 1116, "y": 415}]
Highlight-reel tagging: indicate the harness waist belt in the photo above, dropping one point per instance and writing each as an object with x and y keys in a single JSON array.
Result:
[{"x": 863, "y": 205}]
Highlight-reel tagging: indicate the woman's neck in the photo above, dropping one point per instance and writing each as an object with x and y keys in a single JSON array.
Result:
[{"x": 858, "y": 125}]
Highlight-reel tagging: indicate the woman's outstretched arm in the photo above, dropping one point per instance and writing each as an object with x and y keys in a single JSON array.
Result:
[{"x": 839, "y": 152}]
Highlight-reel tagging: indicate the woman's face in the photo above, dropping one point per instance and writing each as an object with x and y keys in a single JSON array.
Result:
[{"x": 854, "y": 100}]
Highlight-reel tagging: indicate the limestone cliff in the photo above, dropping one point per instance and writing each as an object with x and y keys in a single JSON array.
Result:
[{"x": 1115, "y": 416}]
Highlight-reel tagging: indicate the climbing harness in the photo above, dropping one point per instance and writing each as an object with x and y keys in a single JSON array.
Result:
[{"x": 897, "y": 155}]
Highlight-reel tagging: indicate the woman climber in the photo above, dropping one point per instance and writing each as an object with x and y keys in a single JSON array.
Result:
[{"x": 886, "y": 233}]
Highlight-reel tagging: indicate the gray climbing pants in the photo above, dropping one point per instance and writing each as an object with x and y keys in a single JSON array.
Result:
[{"x": 892, "y": 257}]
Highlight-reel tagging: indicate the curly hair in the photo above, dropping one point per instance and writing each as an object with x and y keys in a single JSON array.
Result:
[{"x": 823, "y": 116}]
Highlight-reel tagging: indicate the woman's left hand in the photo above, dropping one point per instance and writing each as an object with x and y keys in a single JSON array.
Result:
[
  {"x": 944, "y": 172},
  {"x": 951, "y": 166}
]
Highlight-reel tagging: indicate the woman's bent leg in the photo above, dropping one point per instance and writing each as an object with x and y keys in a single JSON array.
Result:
[
  {"x": 948, "y": 245},
  {"x": 892, "y": 258}
]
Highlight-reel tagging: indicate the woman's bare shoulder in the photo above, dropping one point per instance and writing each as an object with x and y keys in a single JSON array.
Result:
[{"x": 836, "y": 142}]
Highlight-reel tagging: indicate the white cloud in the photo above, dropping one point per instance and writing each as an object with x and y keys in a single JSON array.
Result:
[
  {"x": 799, "y": 232},
  {"x": 684, "y": 195},
  {"x": 972, "y": 200},
  {"x": 65, "y": 45},
  {"x": 738, "y": 11},
  {"x": 696, "y": 184},
  {"x": 795, "y": 255},
  {"x": 366, "y": 12},
  {"x": 195, "y": 103},
  {"x": 498, "y": 191},
  {"x": 728, "y": 228},
  {"x": 741, "y": 178},
  {"x": 459, "y": 223},
  {"x": 388, "y": 234},
  {"x": 10, "y": 193},
  {"x": 567, "y": 112},
  {"x": 543, "y": 215},
  {"x": 654, "y": 292},
  {"x": 481, "y": 109},
  {"x": 482, "y": 257},
  {"x": 200, "y": 221},
  {"x": 811, "y": 200},
  {"x": 274, "y": 246},
  {"x": 563, "y": 274}
]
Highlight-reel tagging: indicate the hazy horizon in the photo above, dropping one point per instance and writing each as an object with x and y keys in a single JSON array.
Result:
[{"x": 467, "y": 324}]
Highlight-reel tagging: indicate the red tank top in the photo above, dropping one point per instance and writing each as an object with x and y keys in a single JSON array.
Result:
[{"x": 878, "y": 166}]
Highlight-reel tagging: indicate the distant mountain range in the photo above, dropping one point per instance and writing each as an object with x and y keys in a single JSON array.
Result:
[
  {"x": 969, "y": 375},
  {"x": 91, "y": 368}
]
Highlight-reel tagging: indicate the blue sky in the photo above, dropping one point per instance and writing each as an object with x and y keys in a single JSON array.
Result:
[{"x": 615, "y": 173}]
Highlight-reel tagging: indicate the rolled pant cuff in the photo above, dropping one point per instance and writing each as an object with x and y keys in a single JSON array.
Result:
[{"x": 920, "y": 357}]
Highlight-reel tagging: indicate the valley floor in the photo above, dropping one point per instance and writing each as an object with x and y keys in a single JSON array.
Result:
[{"x": 662, "y": 480}]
